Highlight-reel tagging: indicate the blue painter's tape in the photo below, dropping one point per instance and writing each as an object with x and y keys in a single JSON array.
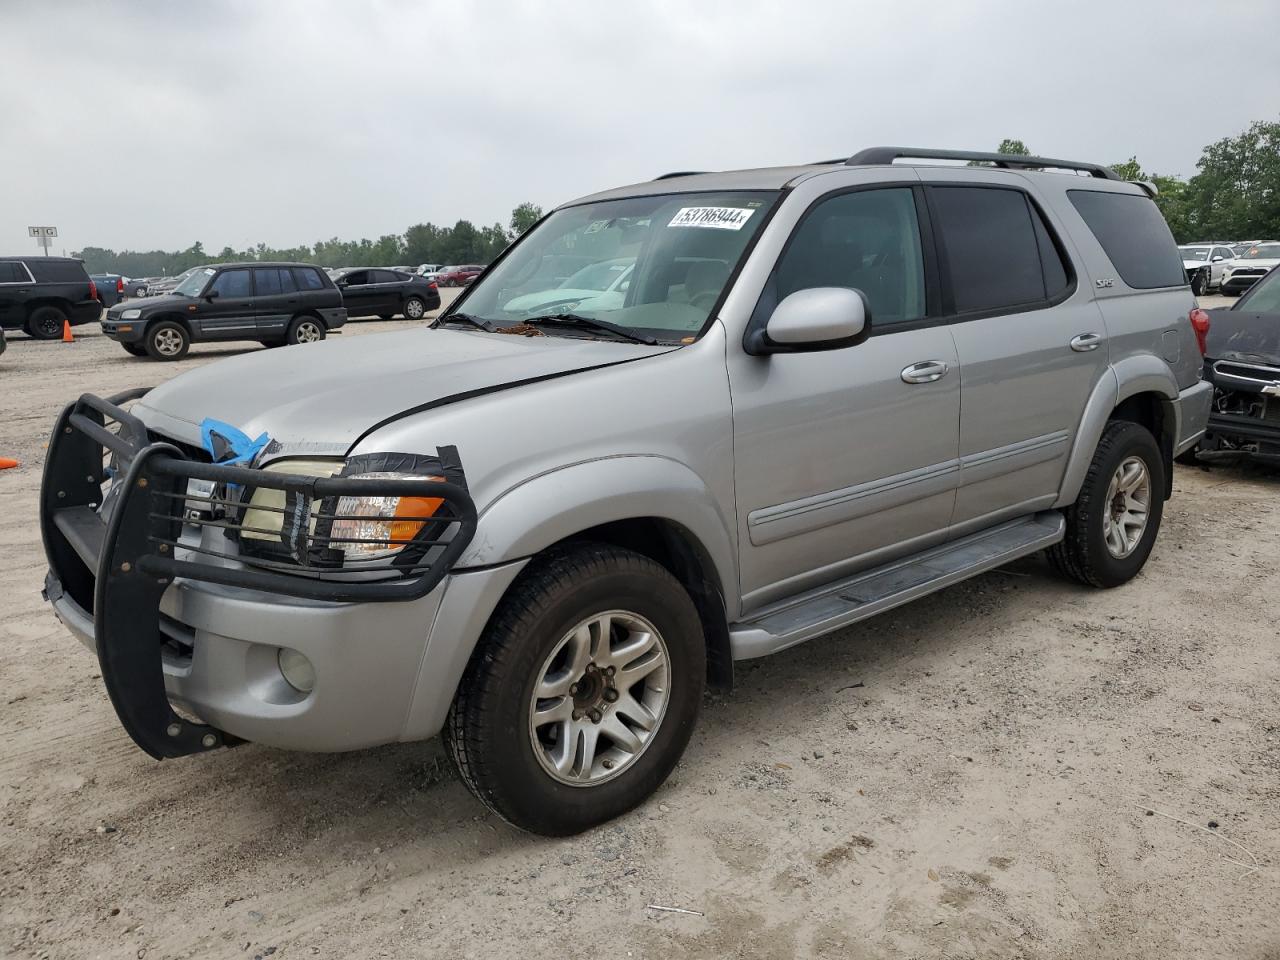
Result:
[{"x": 229, "y": 445}]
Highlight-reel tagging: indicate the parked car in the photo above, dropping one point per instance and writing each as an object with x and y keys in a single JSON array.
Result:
[
  {"x": 40, "y": 294},
  {"x": 166, "y": 285},
  {"x": 600, "y": 286},
  {"x": 110, "y": 287},
  {"x": 1242, "y": 362},
  {"x": 458, "y": 276},
  {"x": 135, "y": 287},
  {"x": 378, "y": 292},
  {"x": 423, "y": 269},
  {"x": 1205, "y": 265},
  {"x": 273, "y": 303},
  {"x": 1242, "y": 246},
  {"x": 830, "y": 389},
  {"x": 1250, "y": 266}
]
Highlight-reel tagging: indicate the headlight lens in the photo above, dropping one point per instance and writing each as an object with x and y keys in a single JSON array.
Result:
[
  {"x": 133, "y": 314},
  {"x": 383, "y": 524},
  {"x": 265, "y": 517}
]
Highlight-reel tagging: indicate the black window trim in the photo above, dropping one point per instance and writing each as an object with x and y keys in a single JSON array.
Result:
[
  {"x": 932, "y": 287},
  {"x": 950, "y": 313},
  {"x": 1186, "y": 282}
]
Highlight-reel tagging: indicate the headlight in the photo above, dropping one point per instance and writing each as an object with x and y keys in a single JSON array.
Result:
[
  {"x": 383, "y": 525},
  {"x": 131, "y": 314},
  {"x": 265, "y": 517}
]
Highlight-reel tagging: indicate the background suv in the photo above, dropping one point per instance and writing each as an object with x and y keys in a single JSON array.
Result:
[
  {"x": 273, "y": 303},
  {"x": 37, "y": 294}
]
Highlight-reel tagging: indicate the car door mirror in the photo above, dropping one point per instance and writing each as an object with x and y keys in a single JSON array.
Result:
[
  {"x": 211, "y": 295},
  {"x": 820, "y": 318},
  {"x": 1218, "y": 259}
]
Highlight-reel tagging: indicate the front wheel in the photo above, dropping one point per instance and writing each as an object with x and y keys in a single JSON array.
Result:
[
  {"x": 1113, "y": 524},
  {"x": 167, "y": 340},
  {"x": 582, "y": 693},
  {"x": 1200, "y": 283},
  {"x": 414, "y": 309},
  {"x": 304, "y": 330}
]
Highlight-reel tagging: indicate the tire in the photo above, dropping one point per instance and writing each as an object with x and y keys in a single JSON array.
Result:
[
  {"x": 414, "y": 309},
  {"x": 1086, "y": 554},
  {"x": 386, "y": 316},
  {"x": 506, "y": 759},
  {"x": 305, "y": 329},
  {"x": 45, "y": 323},
  {"x": 167, "y": 340},
  {"x": 272, "y": 343},
  {"x": 134, "y": 349},
  {"x": 1200, "y": 283}
]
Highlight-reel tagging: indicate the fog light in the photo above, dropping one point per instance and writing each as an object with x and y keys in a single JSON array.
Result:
[{"x": 297, "y": 670}]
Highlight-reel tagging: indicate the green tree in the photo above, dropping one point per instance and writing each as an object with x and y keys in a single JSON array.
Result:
[
  {"x": 523, "y": 217},
  {"x": 1016, "y": 147},
  {"x": 1236, "y": 193}
]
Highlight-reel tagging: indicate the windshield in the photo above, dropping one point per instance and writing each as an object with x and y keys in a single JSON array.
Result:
[
  {"x": 1263, "y": 297},
  {"x": 651, "y": 265},
  {"x": 1264, "y": 251},
  {"x": 194, "y": 282},
  {"x": 1195, "y": 253}
]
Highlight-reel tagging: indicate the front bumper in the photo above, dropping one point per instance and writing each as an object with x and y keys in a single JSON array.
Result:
[
  {"x": 177, "y": 619},
  {"x": 124, "y": 331},
  {"x": 1238, "y": 283}
]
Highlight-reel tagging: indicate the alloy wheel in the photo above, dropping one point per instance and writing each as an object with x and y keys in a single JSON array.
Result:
[
  {"x": 168, "y": 342},
  {"x": 1128, "y": 506}
]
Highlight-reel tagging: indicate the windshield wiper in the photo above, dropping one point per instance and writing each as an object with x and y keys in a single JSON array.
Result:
[
  {"x": 478, "y": 322},
  {"x": 576, "y": 320}
]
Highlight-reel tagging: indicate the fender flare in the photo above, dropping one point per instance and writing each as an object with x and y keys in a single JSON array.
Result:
[
  {"x": 1129, "y": 377},
  {"x": 545, "y": 509}
]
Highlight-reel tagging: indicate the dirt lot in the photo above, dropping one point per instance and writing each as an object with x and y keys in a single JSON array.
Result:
[{"x": 966, "y": 777}]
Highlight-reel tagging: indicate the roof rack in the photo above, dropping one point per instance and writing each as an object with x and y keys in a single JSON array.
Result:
[
  {"x": 680, "y": 173},
  {"x": 885, "y": 155}
]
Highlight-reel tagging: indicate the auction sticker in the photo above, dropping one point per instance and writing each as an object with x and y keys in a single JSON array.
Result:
[{"x": 717, "y": 218}]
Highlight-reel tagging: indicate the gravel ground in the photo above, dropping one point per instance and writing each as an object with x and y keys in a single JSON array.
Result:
[{"x": 965, "y": 777}]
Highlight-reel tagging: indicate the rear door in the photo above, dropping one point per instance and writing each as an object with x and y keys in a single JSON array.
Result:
[
  {"x": 276, "y": 299},
  {"x": 1030, "y": 341},
  {"x": 230, "y": 314},
  {"x": 389, "y": 286}
]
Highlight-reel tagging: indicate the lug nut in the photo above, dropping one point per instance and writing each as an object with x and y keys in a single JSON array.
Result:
[
  {"x": 607, "y": 764},
  {"x": 595, "y": 716},
  {"x": 611, "y": 671},
  {"x": 573, "y": 689},
  {"x": 610, "y": 694},
  {"x": 577, "y": 714}
]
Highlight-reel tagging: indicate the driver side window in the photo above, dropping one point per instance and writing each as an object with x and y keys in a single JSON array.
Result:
[{"x": 868, "y": 240}]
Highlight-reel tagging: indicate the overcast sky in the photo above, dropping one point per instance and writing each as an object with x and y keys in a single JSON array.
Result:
[{"x": 154, "y": 124}]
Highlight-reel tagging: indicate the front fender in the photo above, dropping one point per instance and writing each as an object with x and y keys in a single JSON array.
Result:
[
  {"x": 548, "y": 508},
  {"x": 1143, "y": 373}
]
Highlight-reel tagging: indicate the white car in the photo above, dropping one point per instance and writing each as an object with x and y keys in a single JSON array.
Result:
[
  {"x": 600, "y": 286},
  {"x": 1250, "y": 267},
  {"x": 1205, "y": 264}
]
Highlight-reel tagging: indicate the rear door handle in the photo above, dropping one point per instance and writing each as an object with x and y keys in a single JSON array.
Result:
[
  {"x": 1086, "y": 342},
  {"x": 926, "y": 371}
]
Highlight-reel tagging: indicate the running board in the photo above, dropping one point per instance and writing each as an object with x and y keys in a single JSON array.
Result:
[{"x": 836, "y": 605}]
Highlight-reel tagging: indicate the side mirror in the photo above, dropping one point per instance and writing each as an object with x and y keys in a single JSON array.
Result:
[
  {"x": 1218, "y": 259},
  {"x": 820, "y": 318},
  {"x": 211, "y": 295}
]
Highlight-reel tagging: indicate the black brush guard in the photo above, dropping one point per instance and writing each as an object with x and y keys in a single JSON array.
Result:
[{"x": 117, "y": 570}]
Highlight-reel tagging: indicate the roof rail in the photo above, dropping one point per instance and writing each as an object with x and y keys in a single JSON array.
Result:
[
  {"x": 680, "y": 173},
  {"x": 884, "y": 155}
]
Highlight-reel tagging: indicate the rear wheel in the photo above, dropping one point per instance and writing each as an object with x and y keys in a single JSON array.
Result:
[
  {"x": 414, "y": 309},
  {"x": 45, "y": 323},
  {"x": 1113, "y": 524},
  {"x": 304, "y": 329},
  {"x": 167, "y": 340},
  {"x": 582, "y": 693}
]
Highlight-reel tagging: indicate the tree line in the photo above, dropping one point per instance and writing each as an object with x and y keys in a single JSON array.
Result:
[
  {"x": 421, "y": 243},
  {"x": 1234, "y": 195}
]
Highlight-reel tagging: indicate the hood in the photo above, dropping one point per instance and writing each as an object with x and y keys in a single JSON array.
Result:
[
  {"x": 324, "y": 396},
  {"x": 150, "y": 305},
  {"x": 1266, "y": 263},
  {"x": 1244, "y": 335},
  {"x": 1194, "y": 264}
]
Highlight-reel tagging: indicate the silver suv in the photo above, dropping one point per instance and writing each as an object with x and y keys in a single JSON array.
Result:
[{"x": 545, "y": 525}]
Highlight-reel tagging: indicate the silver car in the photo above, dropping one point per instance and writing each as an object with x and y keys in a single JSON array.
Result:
[{"x": 828, "y": 390}]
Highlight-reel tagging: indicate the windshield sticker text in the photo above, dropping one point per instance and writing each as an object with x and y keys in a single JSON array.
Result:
[{"x": 718, "y": 218}]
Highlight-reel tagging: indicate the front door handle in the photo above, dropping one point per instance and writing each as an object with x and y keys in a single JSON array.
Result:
[
  {"x": 1086, "y": 342},
  {"x": 926, "y": 371}
]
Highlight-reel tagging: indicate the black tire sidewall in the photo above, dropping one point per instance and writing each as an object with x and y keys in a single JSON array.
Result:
[
  {"x": 1131, "y": 439},
  {"x": 50, "y": 314},
  {"x": 528, "y": 795}
]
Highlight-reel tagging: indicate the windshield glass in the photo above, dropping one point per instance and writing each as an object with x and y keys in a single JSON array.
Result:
[
  {"x": 1195, "y": 253},
  {"x": 652, "y": 265},
  {"x": 1263, "y": 297},
  {"x": 1264, "y": 251},
  {"x": 194, "y": 282}
]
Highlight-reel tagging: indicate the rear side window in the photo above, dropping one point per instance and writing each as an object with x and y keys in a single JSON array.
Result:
[
  {"x": 998, "y": 250},
  {"x": 868, "y": 240},
  {"x": 383, "y": 276},
  {"x": 269, "y": 281},
  {"x": 57, "y": 271},
  {"x": 1134, "y": 236},
  {"x": 231, "y": 283},
  {"x": 308, "y": 279},
  {"x": 11, "y": 272}
]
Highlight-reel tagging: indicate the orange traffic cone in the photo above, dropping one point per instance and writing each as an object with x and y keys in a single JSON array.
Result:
[
  {"x": 8, "y": 464},
  {"x": 66, "y": 332}
]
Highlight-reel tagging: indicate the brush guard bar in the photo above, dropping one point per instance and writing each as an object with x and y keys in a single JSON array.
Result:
[{"x": 116, "y": 563}]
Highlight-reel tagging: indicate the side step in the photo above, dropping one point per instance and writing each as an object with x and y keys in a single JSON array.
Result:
[{"x": 827, "y": 608}]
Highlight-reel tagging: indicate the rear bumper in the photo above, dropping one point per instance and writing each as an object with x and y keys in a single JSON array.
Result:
[
  {"x": 333, "y": 317},
  {"x": 1193, "y": 405},
  {"x": 86, "y": 311}
]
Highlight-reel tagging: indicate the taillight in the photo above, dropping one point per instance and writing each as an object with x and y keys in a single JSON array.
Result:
[
  {"x": 432, "y": 286},
  {"x": 93, "y": 290},
  {"x": 119, "y": 284},
  {"x": 1200, "y": 324}
]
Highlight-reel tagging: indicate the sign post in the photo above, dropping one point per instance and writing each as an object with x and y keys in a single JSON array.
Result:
[{"x": 43, "y": 236}]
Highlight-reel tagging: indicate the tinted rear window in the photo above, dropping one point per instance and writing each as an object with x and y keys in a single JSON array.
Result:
[
  {"x": 1134, "y": 235},
  {"x": 11, "y": 272},
  {"x": 57, "y": 271},
  {"x": 992, "y": 254}
]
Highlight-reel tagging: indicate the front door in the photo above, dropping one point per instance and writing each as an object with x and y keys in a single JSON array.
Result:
[
  {"x": 359, "y": 294},
  {"x": 847, "y": 458},
  {"x": 225, "y": 310}
]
